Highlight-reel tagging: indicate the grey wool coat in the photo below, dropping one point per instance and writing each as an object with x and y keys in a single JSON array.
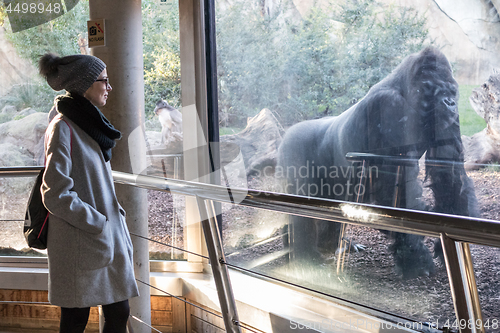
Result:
[{"x": 89, "y": 247}]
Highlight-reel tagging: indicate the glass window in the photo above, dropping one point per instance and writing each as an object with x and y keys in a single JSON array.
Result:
[
  {"x": 486, "y": 262},
  {"x": 26, "y": 99},
  {"x": 164, "y": 139},
  {"x": 391, "y": 104},
  {"x": 255, "y": 240}
]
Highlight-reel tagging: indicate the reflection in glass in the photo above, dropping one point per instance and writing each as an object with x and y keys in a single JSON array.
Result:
[
  {"x": 163, "y": 137},
  {"x": 257, "y": 240},
  {"x": 166, "y": 226},
  {"x": 336, "y": 102},
  {"x": 487, "y": 270},
  {"x": 26, "y": 99},
  {"x": 13, "y": 200}
]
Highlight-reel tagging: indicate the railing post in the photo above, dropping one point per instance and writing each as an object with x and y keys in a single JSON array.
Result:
[
  {"x": 469, "y": 279},
  {"x": 463, "y": 285},
  {"x": 218, "y": 264}
]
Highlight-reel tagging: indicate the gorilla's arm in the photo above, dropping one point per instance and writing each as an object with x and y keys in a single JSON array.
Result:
[{"x": 390, "y": 121}]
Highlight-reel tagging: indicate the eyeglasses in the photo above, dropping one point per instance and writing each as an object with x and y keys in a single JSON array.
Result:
[{"x": 106, "y": 81}]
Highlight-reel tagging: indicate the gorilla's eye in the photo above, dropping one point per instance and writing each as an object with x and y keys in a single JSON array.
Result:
[
  {"x": 427, "y": 87},
  {"x": 450, "y": 89}
]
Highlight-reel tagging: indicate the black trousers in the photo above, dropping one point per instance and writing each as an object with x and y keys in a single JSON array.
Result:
[{"x": 74, "y": 320}]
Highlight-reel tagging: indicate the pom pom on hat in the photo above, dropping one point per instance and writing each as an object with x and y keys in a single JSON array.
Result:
[{"x": 75, "y": 73}]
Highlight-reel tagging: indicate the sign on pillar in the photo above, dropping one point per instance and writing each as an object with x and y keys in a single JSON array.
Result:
[
  {"x": 95, "y": 30},
  {"x": 166, "y": 4}
]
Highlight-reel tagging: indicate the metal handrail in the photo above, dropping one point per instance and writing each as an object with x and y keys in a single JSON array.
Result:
[
  {"x": 20, "y": 171},
  {"x": 452, "y": 230},
  {"x": 459, "y": 228}
]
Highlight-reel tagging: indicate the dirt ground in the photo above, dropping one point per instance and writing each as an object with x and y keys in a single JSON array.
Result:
[{"x": 366, "y": 277}]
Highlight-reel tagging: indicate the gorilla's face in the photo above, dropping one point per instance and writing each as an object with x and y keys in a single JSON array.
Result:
[
  {"x": 433, "y": 95},
  {"x": 416, "y": 106}
]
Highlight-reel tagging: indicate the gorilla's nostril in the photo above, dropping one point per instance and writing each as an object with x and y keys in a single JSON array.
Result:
[{"x": 449, "y": 102}]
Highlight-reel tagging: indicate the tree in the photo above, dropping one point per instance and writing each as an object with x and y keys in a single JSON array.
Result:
[
  {"x": 162, "y": 64},
  {"x": 312, "y": 66},
  {"x": 59, "y": 36},
  {"x": 62, "y": 36}
]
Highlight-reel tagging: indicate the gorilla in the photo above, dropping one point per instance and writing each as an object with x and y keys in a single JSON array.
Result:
[{"x": 412, "y": 112}]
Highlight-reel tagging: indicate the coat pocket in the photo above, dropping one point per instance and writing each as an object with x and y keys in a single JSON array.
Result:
[
  {"x": 126, "y": 236},
  {"x": 95, "y": 251}
]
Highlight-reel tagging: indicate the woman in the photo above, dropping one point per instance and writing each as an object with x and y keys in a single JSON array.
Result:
[{"x": 89, "y": 247}]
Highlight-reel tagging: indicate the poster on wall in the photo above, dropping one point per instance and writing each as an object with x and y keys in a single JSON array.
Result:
[{"x": 166, "y": 4}]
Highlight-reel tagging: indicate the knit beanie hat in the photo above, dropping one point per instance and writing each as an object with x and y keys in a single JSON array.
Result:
[{"x": 74, "y": 73}]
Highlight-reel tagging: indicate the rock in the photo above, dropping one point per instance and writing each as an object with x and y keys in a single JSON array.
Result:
[
  {"x": 13, "y": 68},
  {"x": 258, "y": 143},
  {"x": 9, "y": 109},
  {"x": 484, "y": 147},
  {"x": 465, "y": 31},
  {"x": 26, "y": 133},
  {"x": 163, "y": 161},
  {"x": 12, "y": 155},
  {"x": 26, "y": 112}
]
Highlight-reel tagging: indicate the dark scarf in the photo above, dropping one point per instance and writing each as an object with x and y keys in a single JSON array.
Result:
[{"x": 83, "y": 113}]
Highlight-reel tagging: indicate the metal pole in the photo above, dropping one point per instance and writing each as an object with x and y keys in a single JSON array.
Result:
[
  {"x": 460, "y": 290},
  {"x": 469, "y": 281},
  {"x": 218, "y": 264}
]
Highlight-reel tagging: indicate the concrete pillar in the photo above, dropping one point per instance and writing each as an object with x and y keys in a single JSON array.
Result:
[
  {"x": 125, "y": 109},
  {"x": 193, "y": 118}
]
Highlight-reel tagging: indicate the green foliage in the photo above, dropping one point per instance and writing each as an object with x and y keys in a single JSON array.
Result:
[
  {"x": 37, "y": 95},
  {"x": 493, "y": 167},
  {"x": 470, "y": 121},
  {"x": 59, "y": 36},
  {"x": 229, "y": 130},
  {"x": 162, "y": 64},
  {"x": 299, "y": 67},
  {"x": 3, "y": 15},
  {"x": 311, "y": 67}
]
